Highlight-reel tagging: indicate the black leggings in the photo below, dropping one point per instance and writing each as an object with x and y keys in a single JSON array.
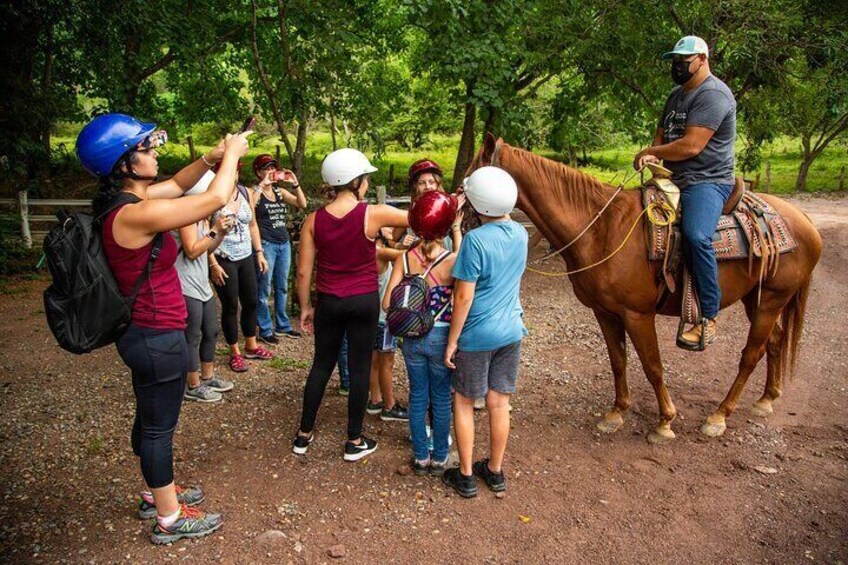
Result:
[
  {"x": 334, "y": 316},
  {"x": 239, "y": 286},
  {"x": 158, "y": 360},
  {"x": 201, "y": 332}
]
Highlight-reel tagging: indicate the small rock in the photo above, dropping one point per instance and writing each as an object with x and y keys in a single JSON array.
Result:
[
  {"x": 337, "y": 551},
  {"x": 404, "y": 470},
  {"x": 500, "y": 495},
  {"x": 270, "y": 537},
  {"x": 765, "y": 470}
]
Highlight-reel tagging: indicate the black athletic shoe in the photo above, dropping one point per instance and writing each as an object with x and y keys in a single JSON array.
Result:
[
  {"x": 420, "y": 469},
  {"x": 301, "y": 444},
  {"x": 495, "y": 481},
  {"x": 374, "y": 408},
  {"x": 270, "y": 339},
  {"x": 437, "y": 469},
  {"x": 293, "y": 334},
  {"x": 355, "y": 452},
  {"x": 465, "y": 485},
  {"x": 398, "y": 413}
]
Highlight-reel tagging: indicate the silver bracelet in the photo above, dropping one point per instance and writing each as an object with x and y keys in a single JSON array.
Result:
[{"x": 205, "y": 162}]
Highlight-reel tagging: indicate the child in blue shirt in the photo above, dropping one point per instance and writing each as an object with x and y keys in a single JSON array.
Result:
[{"x": 486, "y": 329}]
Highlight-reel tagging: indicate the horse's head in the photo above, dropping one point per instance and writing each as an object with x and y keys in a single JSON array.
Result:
[{"x": 487, "y": 154}]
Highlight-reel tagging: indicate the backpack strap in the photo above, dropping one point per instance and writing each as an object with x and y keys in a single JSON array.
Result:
[
  {"x": 405, "y": 262},
  {"x": 120, "y": 199},
  {"x": 154, "y": 254},
  {"x": 435, "y": 263}
]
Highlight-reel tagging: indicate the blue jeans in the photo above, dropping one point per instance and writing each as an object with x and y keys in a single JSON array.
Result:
[
  {"x": 344, "y": 373},
  {"x": 701, "y": 205},
  {"x": 278, "y": 256},
  {"x": 429, "y": 387}
]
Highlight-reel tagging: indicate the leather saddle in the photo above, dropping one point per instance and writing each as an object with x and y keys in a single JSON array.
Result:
[{"x": 749, "y": 228}]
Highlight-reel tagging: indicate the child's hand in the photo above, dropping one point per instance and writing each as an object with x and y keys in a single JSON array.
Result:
[{"x": 450, "y": 352}]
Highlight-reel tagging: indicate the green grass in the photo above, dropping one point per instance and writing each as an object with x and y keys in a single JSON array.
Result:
[
  {"x": 608, "y": 164},
  {"x": 287, "y": 364}
]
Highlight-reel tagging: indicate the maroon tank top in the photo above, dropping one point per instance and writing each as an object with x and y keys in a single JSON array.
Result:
[
  {"x": 159, "y": 304},
  {"x": 347, "y": 260}
]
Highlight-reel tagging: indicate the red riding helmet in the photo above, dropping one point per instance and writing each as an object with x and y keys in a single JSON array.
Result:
[
  {"x": 422, "y": 166},
  {"x": 263, "y": 161},
  {"x": 432, "y": 214}
]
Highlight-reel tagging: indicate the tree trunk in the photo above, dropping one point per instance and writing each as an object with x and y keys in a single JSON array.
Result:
[
  {"x": 466, "y": 143},
  {"x": 803, "y": 170},
  {"x": 489, "y": 124},
  {"x": 300, "y": 146},
  {"x": 333, "y": 126}
]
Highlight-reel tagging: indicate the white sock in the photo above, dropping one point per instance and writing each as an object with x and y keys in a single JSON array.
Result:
[{"x": 166, "y": 521}]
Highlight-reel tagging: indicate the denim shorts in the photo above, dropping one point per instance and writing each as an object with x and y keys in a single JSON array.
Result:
[
  {"x": 384, "y": 341},
  {"x": 477, "y": 372}
]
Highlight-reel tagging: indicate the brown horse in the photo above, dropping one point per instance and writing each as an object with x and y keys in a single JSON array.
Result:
[{"x": 623, "y": 294}]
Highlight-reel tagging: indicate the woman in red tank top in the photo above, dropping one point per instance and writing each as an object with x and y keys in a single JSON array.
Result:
[
  {"x": 340, "y": 238},
  {"x": 120, "y": 151}
]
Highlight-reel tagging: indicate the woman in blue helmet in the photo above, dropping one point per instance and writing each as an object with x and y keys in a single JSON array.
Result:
[{"x": 121, "y": 152}]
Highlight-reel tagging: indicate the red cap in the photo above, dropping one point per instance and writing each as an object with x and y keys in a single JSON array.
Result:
[
  {"x": 423, "y": 166},
  {"x": 431, "y": 215},
  {"x": 263, "y": 161}
]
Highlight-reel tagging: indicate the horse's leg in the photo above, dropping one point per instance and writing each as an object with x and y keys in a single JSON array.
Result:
[
  {"x": 613, "y": 330},
  {"x": 763, "y": 320},
  {"x": 643, "y": 333},
  {"x": 763, "y": 407}
]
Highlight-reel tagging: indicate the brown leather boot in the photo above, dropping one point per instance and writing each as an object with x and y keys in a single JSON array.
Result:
[{"x": 691, "y": 338}]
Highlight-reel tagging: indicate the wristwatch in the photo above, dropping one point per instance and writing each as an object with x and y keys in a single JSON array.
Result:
[{"x": 212, "y": 234}]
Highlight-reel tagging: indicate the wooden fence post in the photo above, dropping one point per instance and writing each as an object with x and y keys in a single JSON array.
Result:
[
  {"x": 278, "y": 152},
  {"x": 381, "y": 194},
  {"x": 842, "y": 178},
  {"x": 25, "y": 233},
  {"x": 768, "y": 177},
  {"x": 756, "y": 182},
  {"x": 391, "y": 177},
  {"x": 191, "y": 151}
]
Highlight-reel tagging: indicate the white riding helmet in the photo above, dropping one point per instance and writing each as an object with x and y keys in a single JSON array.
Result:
[
  {"x": 342, "y": 166},
  {"x": 492, "y": 191}
]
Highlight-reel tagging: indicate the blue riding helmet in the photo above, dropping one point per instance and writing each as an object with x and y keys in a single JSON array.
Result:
[{"x": 105, "y": 139}]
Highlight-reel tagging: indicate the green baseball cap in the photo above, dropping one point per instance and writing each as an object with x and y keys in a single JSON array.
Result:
[{"x": 689, "y": 45}]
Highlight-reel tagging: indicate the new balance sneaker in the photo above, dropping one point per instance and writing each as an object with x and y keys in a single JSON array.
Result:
[
  {"x": 374, "y": 408},
  {"x": 464, "y": 485},
  {"x": 420, "y": 468},
  {"x": 437, "y": 469},
  {"x": 301, "y": 443},
  {"x": 202, "y": 393},
  {"x": 270, "y": 339},
  {"x": 192, "y": 523},
  {"x": 398, "y": 413},
  {"x": 191, "y": 496},
  {"x": 355, "y": 452},
  {"x": 495, "y": 481},
  {"x": 218, "y": 384}
]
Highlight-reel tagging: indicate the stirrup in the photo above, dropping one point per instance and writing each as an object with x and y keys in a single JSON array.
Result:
[{"x": 688, "y": 345}]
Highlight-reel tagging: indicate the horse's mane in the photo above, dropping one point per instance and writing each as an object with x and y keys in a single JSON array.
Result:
[{"x": 557, "y": 179}]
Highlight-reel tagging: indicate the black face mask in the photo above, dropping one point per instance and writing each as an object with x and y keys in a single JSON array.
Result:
[{"x": 680, "y": 72}]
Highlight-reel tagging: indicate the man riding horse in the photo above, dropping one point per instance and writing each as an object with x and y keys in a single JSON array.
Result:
[{"x": 695, "y": 139}]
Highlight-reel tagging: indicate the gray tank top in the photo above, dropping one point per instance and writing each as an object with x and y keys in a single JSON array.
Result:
[{"x": 237, "y": 244}]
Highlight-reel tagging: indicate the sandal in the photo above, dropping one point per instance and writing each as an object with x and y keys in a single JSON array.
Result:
[
  {"x": 258, "y": 353},
  {"x": 237, "y": 364}
]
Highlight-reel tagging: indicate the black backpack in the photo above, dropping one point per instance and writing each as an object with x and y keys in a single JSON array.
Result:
[
  {"x": 84, "y": 307},
  {"x": 409, "y": 312}
]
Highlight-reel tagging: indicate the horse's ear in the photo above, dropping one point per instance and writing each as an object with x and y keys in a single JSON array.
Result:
[{"x": 489, "y": 142}]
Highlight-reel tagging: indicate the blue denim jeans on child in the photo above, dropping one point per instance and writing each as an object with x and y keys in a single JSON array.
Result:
[
  {"x": 278, "y": 256},
  {"x": 429, "y": 385},
  {"x": 701, "y": 206}
]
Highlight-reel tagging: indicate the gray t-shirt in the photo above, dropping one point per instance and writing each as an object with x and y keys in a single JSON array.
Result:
[
  {"x": 194, "y": 274},
  {"x": 710, "y": 105}
]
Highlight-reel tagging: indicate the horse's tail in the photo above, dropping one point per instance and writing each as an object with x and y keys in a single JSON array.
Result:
[{"x": 792, "y": 326}]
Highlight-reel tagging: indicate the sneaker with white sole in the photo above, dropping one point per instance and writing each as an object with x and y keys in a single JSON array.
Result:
[
  {"x": 202, "y": 393},
  {"x": 191, "y": 496},
  {"x": 374, "y": 408},
  {"x": 398, "y": 413},
  {"x": 355, "y": 452},
  {"x": 192, "y": 523},
  {"x": 300, "y": 444},
  {"x": 218, "y": 384}
]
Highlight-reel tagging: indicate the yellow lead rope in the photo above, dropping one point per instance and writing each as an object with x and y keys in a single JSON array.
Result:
[{"x": 667, "y": 218}]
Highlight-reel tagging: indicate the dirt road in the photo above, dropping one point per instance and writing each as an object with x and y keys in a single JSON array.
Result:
[{"x": 772, "y": 490}]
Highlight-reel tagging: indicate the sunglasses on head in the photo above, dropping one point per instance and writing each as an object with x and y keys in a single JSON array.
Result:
[{"x": 154, "y": 140}]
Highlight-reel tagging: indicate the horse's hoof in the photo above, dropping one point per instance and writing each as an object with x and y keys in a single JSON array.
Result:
[
  {"x": 715, "y": 429},
  {"x": 762, "y": 409},
  {"x": 611, "y": 423},
  {"x": 661, "y": 436}
]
